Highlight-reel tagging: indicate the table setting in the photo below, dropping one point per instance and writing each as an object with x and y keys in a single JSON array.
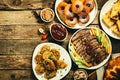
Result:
[{"x": 60, "y": 40}]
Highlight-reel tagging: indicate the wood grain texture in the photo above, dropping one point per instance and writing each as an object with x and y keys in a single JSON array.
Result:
[
  {"x": 15, "y": 61},
  {"x": 34, "y": 4},
  {"x": 17, "y": 47},
  {"x": 20, "y": 32},
  {"x": 101, "y": 3},
  {"x": 26, "y": 18},
  {"x": 17, "y": 17},
  {"x": 25, "y": 4},
  {"x": 17, "y": 75}
]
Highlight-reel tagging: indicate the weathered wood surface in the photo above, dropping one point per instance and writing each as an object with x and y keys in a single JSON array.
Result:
[
  {"x": 25, "y": 4},
  {"x": 33, "y": 4},
  {"x": 19, "y": 24},
  {"x": 17, "y": 75},
  {"x": 15, "y": 61},
  {"x": 25, "y": 18},
  {"x": 20, "y": 32}
]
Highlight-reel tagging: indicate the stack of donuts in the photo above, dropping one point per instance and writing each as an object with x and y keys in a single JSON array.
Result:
[{"x": 75, "y": 11}]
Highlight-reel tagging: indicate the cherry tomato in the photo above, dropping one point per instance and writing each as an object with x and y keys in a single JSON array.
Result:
[{"x": 44, "y": 36}]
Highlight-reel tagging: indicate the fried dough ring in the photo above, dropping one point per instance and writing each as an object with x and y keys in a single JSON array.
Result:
[
  {"x": 71, "y": 21},
  {"x": 89, "y": 4},
  {"x": 85, "y": 11},
  {"x": 61, "y": 7},
  {"x": 77, "y": 6},
  {"x": 68, "y": 12},
  {"x": 84, "y": 19}
]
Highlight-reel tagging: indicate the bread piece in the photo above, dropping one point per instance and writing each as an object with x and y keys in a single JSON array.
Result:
[
  {"x": 115, "y": 10},
  {"x": 106, "y": 19},
  {"x": 112, "y": 71},
  {"x": 115, "y": 30}
]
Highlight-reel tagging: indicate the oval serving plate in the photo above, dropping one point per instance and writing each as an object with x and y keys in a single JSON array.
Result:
[
  {"x": 63, "y": 56},
  {"x": 107, "y": 6},
  {"x": 84, "y": 43},
  {"x": 92, "y": 14}
]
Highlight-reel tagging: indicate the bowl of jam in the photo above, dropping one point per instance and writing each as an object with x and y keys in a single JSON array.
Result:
[{"x": 58, "y": 32}]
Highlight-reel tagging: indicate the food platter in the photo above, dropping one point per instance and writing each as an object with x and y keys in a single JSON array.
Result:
[
  {"x": 83, "y": 49},
  {"x": 92, "y": 14},
  {"x": 63, "y": 56},
  {"x": 107, "y": 6},
  {"x": 100, "y": 72}
]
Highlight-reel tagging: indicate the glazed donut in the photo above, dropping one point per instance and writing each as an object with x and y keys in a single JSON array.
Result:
[
  {"x": 85, "y": 11},
  {"x": 68, "y": 1},
  {"x": 75, "y": 0},
  {"x": 71, "y": 21},
  {"x": 89, "y": 4},
  {"x": 68, "y": 13},
  {"x": 84, "y": 19},
  {"x": 61, "y": 7},
  {"x": 77, "y": 6}
]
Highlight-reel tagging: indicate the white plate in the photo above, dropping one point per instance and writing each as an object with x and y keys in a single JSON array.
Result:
[
  {"x": 100, "y": 71},
  {"x": 63, "y": 55},
  {"x": 103, "y": 62},
  {"x": 93, "y": 14},
  {"x": 107, "y": 6}
]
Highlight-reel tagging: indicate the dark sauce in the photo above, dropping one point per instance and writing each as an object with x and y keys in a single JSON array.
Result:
[{"x": 58, "y": 31}]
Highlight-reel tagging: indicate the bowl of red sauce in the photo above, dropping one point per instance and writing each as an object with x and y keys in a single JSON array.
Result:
[{"x": 58, "y": 32}]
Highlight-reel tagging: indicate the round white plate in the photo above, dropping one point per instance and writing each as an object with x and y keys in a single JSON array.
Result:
[
  {"x": 107, "y": 6},
  {"x": 92, "y": 14},
  {"x": 103, "y": 62},
  {"x": 63, "y": 56}
]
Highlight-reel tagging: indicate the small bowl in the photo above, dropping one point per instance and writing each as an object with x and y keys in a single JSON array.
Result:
[
  {"x": 80, "y": 74},
  {"x": 47, "y": 14},
  {"x": 58, "y": 32}
]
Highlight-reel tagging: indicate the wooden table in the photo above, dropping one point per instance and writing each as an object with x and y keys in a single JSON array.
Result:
[{"x": 19, "y": 24}]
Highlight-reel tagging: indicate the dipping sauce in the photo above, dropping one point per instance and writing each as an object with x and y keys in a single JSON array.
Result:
[
  {"x": 47, "y": 14},
  {"x": 80, "y": 74},
  {"x": 58, "y": 31}
]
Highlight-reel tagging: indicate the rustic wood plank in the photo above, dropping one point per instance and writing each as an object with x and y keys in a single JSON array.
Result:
[
  {"x": 17, "y": 75},
  {"x": 101, "y": 3},
  {"x": 23, "y": 47},
  {"x": 25, "y": 18},
  {"x": 34, "y": 4},
  {"x": 17, "y": 17},
  {"x": 25, "y": 4},
  {"x": 20, "y": 32},
  {"x": 28, "y": 74},
  {"x": 96, "y": 20},
  {"x": 15, "y": 61},
  {"x": 25, "y": 31}
]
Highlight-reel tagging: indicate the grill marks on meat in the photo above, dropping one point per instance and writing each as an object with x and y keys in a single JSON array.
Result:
[
  {"x": 80, "y": 34},
  {"x": 101, "y": 54},
  {"x": 88, "y": 47}
]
